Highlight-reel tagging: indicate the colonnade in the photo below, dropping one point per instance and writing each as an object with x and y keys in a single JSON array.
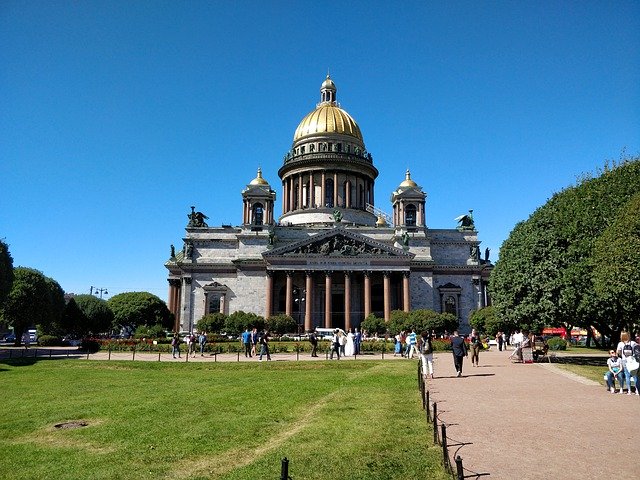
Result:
[
  {"x": 174, "y": 301},
  {"x": 346, "y": 190},
  {"x": 339, "y": 281}
]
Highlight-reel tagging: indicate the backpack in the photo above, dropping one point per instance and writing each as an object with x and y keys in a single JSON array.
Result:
[
  {"x": 636, "y": 352},
  {"x": 627, "y": 350},
  {"x": 425, "y": 347}
]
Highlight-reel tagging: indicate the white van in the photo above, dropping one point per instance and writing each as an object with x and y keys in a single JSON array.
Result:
[{"x": 327, "y": 333}]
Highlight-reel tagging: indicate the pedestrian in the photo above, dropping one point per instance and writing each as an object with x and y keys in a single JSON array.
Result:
[
  {"x": 254, "y": 340},
  {"x": 313, "y": 340},
  {"x": 412, "y": 341},
  {"x": 500, "y": 340},
  {"x": 476, "y": 344},
  {"x": 357, "y": 341},
  {"x": 202, "y": 341},
  {"x": 192, "y": 344},
  {"x": 335, "y": 344},
  {"x": 246, "y": 341},
  {"x": 175, "y": 345},
  {"x": 397, "y": 345},
  {"x": 625, "y": 351},
  {"x": 343, "y": 342},
  {"x": 459, "y": 348},
  {"x": 264, "y": 346},
  {"x": 614, "y": 364},
  {"x": 426, "y": 354}
]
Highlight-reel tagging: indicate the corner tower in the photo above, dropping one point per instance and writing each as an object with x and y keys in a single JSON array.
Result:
[{"x": 328, "y": 168}]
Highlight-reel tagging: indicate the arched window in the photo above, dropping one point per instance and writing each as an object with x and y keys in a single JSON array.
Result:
[
  {"x": 410, "y": 215},
  {"x": 328, "y": 193},
  {"x": 258, "y": 214}
]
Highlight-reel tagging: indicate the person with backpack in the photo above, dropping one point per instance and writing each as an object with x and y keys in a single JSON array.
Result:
[
  {"x": 459, "y": 348},
  {"x": 625, "y": 351},
  {"x": 175, "y": 346},
  {"x": 426, "y": 355}
]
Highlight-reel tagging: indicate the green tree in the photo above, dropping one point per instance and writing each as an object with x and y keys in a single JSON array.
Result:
[
  {"x": 374, "y": 325},
  {"x": 544, "y": 275},
  {"x": 154, "y": 331},
  {"x": 399, "y": 320},
  {"x": 33, "y": 300},
  {"x": 211, "y": 323},
  {"x": 616, "y": 263},
  {"x": 424, "y": 320},
  {"x": 238, "y": 321},
  {"x": 97, "y": 316},
  {"x": 132, "y": 309},
  {"x": 487, "y": 321},
  {"x": 6, "y": 271},
  {"x": 281, "y": 324}
]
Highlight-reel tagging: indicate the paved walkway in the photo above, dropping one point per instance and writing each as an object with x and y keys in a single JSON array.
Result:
[{"x": 536, "y": 421}]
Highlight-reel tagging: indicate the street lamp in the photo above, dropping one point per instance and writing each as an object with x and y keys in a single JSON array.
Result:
[
  {"x": 299, "y": 299},
  {"x": 98, "y": 291}
]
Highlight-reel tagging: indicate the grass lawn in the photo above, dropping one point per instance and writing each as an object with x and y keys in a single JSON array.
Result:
[
  {"x": 333, "y": 420},
  {"x": 591, "y": 372}
]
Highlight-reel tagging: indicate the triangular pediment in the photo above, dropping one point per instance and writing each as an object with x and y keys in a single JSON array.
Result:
[{"x": 338, "y": 243}]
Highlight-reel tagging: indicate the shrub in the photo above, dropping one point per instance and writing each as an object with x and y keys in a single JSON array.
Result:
[
  {"x": 90, "y": 345},
  {"x": 441, "y": 345},
  {"x": 557, "y": 343},
  {"x": 49, "y": 341}
]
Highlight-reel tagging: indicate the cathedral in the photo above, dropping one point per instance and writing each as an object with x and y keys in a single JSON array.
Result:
[{"x": 332, "y": 257}]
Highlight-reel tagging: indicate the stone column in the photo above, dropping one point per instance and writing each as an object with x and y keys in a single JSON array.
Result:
[
  {"x": 289, "y": 294},
  {"x": 335, "y": 189},
  {"x": 223, "y": 301},
  {"x": 312, "y": 191},
  {"x": 367, "y": 294},
  {"x": 292, "y": 192},
  {"x": 269, "y": 294},
  {"x": 170, "y": 298},
  {"x": 347, "y": 301},
  {"x": 284, "y": 196},
  {"x": 300, "y": 192},
  {"x": 308, "y": 322},
  {"x": 406, "y": 294},
  {"x": 322, "y": 191},
  {"x": 327, "y": 300},
  {"x": 387, "y": 296}
]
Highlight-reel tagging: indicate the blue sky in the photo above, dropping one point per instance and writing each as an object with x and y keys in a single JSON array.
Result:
[{"x": 116, "y": 117}]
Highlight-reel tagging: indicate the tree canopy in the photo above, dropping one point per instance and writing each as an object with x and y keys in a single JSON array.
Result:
[
  {"x": 616, "y": 265},
  {"x": 6, "y": 271},
  {"x": 97, "y": 317},
  {"x": 545, "y": 273},
  {"x": 34, "y": 300},
  {"x": 133, "y": 309}
]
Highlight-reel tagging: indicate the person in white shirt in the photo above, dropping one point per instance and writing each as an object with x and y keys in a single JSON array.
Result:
[
  {"x": 614, "y": 364},
  {"x": 625, "y": 350}
]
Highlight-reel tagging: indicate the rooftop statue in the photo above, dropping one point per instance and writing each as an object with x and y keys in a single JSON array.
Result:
[
  {"x": 337, "y": 216},
  {"x": 465, "y": 222},
  {"x": 196, "y": 219}
]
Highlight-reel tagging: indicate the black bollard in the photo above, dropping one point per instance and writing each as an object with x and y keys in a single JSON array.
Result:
[
  {"x": 435, "y": 423},
  {"x": 445, "y": 452},
  {"x": 459, "y": 469},
  {"x": 284, "y": 470}
]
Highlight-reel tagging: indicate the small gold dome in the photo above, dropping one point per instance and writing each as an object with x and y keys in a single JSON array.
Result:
[
  {"x": 328, "y": 84},
  {"x": 381, "y": 222},
  {"x": 259, "y": 180},
  {"x": 407, "y": 181}
]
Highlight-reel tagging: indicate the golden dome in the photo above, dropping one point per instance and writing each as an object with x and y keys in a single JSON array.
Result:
[
  {"x": 328, "y": 117},
  {"x": 381, "y": 222},
  {"x": 259, "y": 180},
  {"x": 407, "y": 181}
]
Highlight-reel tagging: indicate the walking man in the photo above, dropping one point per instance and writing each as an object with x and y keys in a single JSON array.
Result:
[
  {"x": 202, "y": 340},
  {"x": 411, "y": 341},
  {"x": 357, "y": 341},
  {"x": 459, "y": 351},
  {"x": 246, "y": 341},
  {"x": 335, "y": 344},
  {"x": 313, "y": 339}
]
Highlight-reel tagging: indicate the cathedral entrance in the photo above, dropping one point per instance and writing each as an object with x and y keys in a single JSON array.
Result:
[{"x": 337, "y": 310}]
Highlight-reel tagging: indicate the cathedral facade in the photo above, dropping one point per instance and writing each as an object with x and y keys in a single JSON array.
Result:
[{"x": 332, "y": 257}]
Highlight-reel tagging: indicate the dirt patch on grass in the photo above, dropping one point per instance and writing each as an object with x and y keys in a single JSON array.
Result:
[{"x": 56, "y": 436}]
